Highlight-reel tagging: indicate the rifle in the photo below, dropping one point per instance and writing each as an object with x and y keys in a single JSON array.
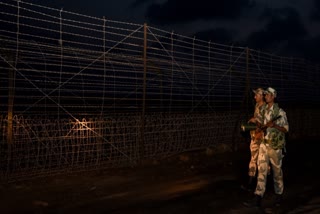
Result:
[{"x": 252, "y": 126}]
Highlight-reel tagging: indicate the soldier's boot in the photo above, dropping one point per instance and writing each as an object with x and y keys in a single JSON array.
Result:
[{"x": 278, "y": 200}]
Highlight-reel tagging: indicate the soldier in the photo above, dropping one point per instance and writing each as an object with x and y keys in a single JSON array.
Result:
[
  {"x": 256, "y": 137},
  {"x": 270, "y": 150}
]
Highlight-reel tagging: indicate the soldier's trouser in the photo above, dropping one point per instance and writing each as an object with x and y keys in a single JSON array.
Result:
[
  {"x": 254, "y": 150},
  {"x": 274, "y": 157}
]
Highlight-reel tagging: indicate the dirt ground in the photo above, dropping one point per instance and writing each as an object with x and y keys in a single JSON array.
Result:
[{"x": 193, "y": 182}]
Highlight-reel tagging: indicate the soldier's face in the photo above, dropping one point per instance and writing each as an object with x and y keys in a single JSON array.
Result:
[
  {"x": 269, "y": 98},
  {"x": 258, "y": 97}
]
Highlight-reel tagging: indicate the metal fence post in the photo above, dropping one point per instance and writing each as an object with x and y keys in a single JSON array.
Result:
[
  {"x": 10, "y": 106},
  {"x": 142, "y": 137},
  {"x": 247, "y": 77}
]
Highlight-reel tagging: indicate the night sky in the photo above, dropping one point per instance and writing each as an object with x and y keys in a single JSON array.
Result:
[{"x": 282, "y": 27}]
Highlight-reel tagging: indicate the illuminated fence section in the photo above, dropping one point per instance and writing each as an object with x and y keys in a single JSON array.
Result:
[
  {"x": 65, "y": 144},
  {"x": 49, "y": 146},
  {"x": 82, "y": 93}
]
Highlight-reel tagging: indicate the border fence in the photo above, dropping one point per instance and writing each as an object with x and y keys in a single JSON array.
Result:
[{"x": 82, "y": 93}]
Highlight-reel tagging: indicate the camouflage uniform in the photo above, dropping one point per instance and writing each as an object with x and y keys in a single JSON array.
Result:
[
  {"x": 256, "y": 138},
  {"x": 270, "y": 151}
]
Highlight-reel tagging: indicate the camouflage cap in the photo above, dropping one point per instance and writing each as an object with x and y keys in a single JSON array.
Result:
[
  {"x": 272, "y": 91},
  {"x": 258, "y": 91}
]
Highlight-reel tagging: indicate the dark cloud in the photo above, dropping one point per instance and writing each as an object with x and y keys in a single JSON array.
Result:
[
  {"x": 138, "y": 3},
  {"x": 217, "y": 35},
  {"x": 307, "y": 49},
  {"x": 316, "y": 11},
  {"x": 311, "y": 49},
  {"x": 282, "y": 26},
  {"x": 180, "y": 11},
  {"x": 285, "y": 34}
]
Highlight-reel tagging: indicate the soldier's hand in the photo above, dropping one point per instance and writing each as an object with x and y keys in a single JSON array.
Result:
[
  {"x": 270, "y": 124},
  {"x": 252, "y": 120},
  {"x": 258, "y": 134},
  {"x": 259, "y": 125}
]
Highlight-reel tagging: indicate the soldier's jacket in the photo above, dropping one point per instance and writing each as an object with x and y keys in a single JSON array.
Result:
[
  {"x": 258, "y": 110},
  {"x": 274, "y": 137}
]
